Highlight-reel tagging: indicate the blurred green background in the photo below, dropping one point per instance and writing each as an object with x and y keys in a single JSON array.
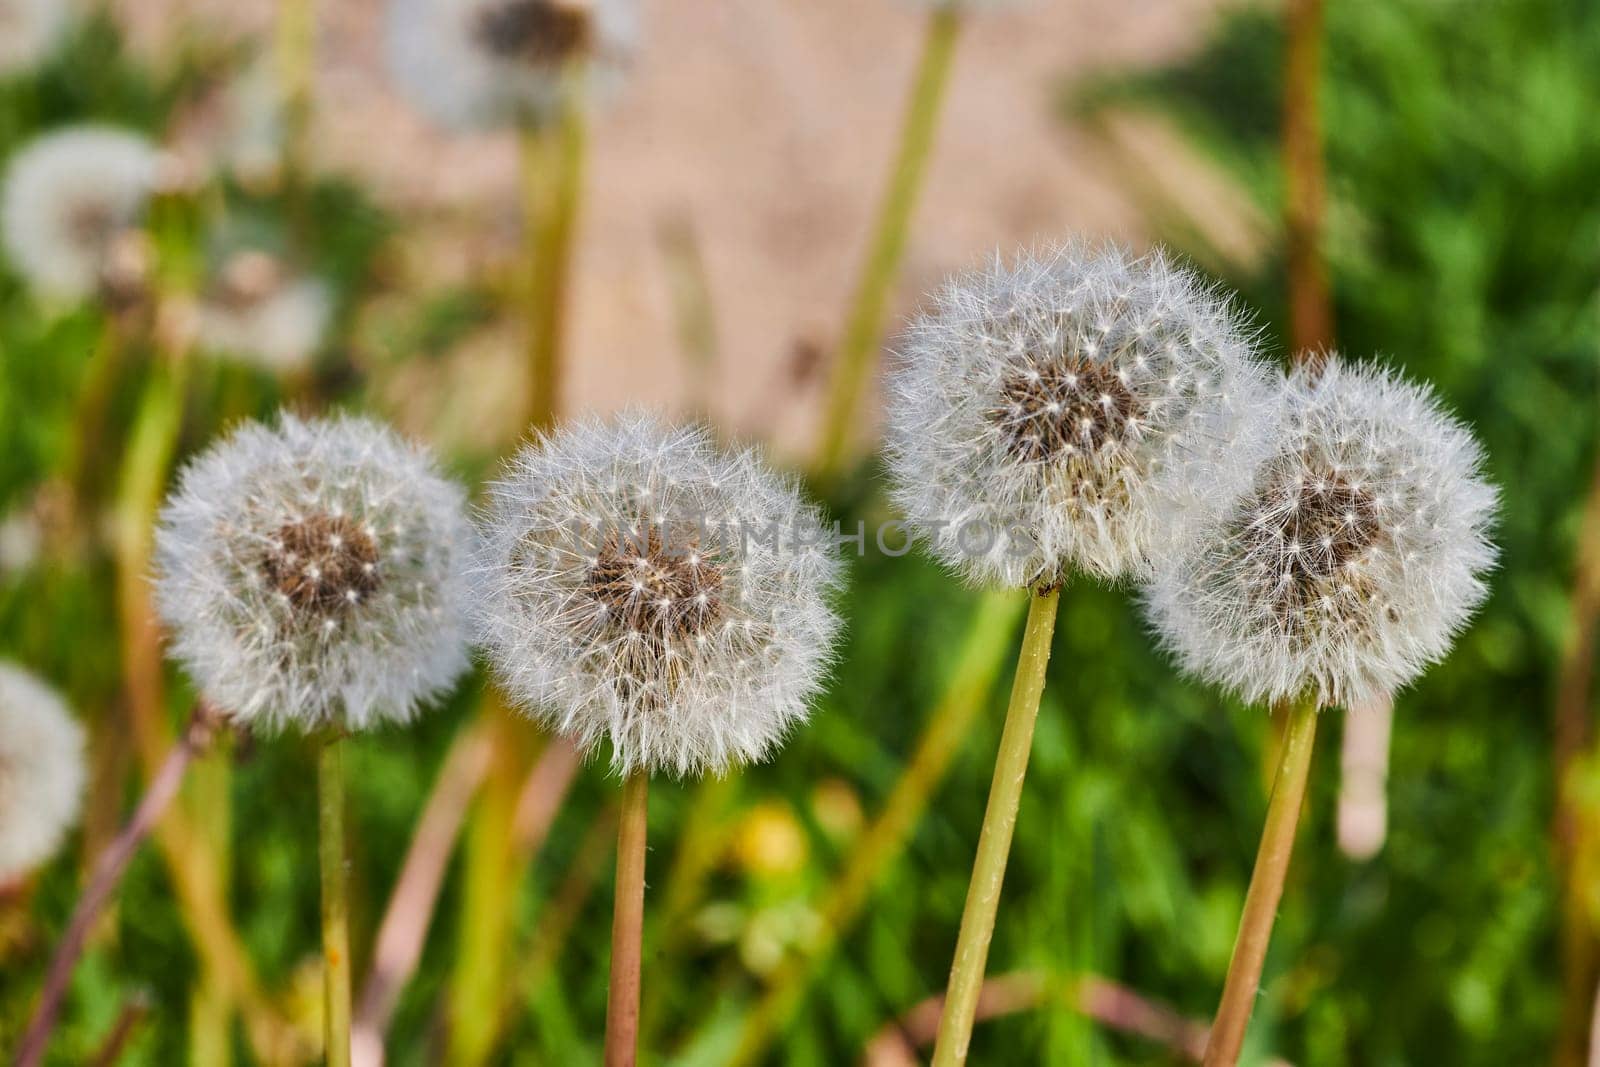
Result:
[{"x": 1463, "y": 244}]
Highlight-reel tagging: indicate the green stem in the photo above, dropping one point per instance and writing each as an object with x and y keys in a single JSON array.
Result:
[
  {"x": 552, "y": 180},
  {"x": 295, "y": 44},
  {"x": 994, "y": 842},
  {"x": 335, "y": 904},
  {"x": 1266, "y": 887},
  {"x": 864, "y": 327},
  {"x": 210, "y": 1006},
  {"x": 973, "y": 677},
  {"x": 490, "y": 877},
  {"x": 627, "y": 925}
]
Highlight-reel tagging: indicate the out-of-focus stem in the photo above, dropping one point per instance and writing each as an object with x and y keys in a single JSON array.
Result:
[
  {"x": 1266, "y": 887},
  {"x": 113, "y": 862},
  {"x": 1310, "y": 311},
  {"x": 210, "y": 1006},
  {"x": 490, "y": 878},
  {"x": 977, "y": 665},
  {"x": 129, "y": 1019},
  {"x": 864, "y": 327},
  {"x": 627, "y": 925},
  {"x": 295, "y": 44},
  {"x": 557, "y": 919},
  {"x": 691, "y": 302},
  {"x": 335, "y": 904},
  {"x": 552, "y": 181},
  {"x": 994, "y": 841},
  {"x": 1573, "y": 731},
  {"x": 410, "y": 912},
  {"x": 1363, "y": 819}
]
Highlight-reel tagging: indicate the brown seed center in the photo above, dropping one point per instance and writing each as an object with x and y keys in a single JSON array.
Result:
[
  {"x": 91, "y": 223},
  {"x": 1069, "y": 408},
  {"x": 658, "y": 591},
  {"x": 538, "y": 31},
  {"x": 322, "y": 563}
]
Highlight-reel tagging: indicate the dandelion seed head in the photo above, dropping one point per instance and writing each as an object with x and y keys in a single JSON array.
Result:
[
  {"x": 471, "y": 64},
  {"x": 1087, "y": 408},
  {"x": 1352, "y": 561},
  {"x": 315, "y": 574},
  {"x": 69, "y": 200},
  {"x": 632, "y": 591},
  {"x": 257, "y": 312},
  {"x": 41, "y": 771}
]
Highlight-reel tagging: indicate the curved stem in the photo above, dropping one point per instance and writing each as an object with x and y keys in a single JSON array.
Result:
[
  {"x": 627, "y": 925},
  {"x": 409, "y": 915},
  {"x": 865, "y": 324},
  {"x": 335, "y": 904},
  {"x": 1266, "y": 887},
  {"x": 994, "y": 843},
  {"x": 108, "y": 872}
]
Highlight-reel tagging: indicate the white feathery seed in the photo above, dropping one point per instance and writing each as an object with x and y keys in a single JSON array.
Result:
[
  {"x": 315, "y": 574},
  {"x": 68, "y": 197},
  {"x": 1077, "y": 408},
  {"x": 30, "y": 30},
  {"x": 41, "y": 771},
  {"x": 475, "y": 64},
  {"x": 632, "y": 590},
  {"x": 256, "y": 312},
  {"x": 1354, "y": 559}
]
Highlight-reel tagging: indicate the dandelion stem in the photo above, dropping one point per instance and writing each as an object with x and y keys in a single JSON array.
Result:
[
  {"x": 627, "y": 925},
  {"x": 865, "y": 323},
  {"x": 1266, "y": 886},
  {"x": 108, "y": 872},
  {"x": 335, "y": 904},
  {"x": 972, "y": 678},
  {"x": 295, "y": 44},
  {"x": 994, "y": 842},
  {"x": 552, "y": 180}
]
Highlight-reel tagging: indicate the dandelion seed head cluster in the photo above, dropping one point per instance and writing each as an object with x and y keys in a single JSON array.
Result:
[
  {"x": 485, "y": 63},
  {"x": 1089, "y": 408},
  {"x": 315, "y": 574},
  {"x": 30, "y": 31},
  {"x": 1353, "y": 560},
  {"x": 622, "y": 600},
  {"x": 69, "y": 198},
  {"x": 41, "y": 771},
  {"x": 257, "y": 312}
]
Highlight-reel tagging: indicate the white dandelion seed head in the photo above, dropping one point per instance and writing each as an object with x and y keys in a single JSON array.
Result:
[
  {"x": 1078, "y": 407},
  {"x": 631, "y": 590},
  {"x": 315, "y": 574},
  {"x": 257, "y": 312},
  {"x": 69, "y": 198},
  {"x": 1354, "y": 559},
  {"x": 41, "y": 771},
  {"x": 30, "y": 30},
  {"x": 474, "y": 64}
]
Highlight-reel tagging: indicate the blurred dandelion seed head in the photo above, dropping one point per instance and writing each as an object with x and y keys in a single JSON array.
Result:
[
  {"x": 70, "y": 200},
  {"x": 41, "y": 771},
  {"x": 257, "y": 312},
  {"x": 1353, "y": 560},
  {"x": 30, "y": 30},
  {"x": 1089, "y": 408},
  {"x": 622, "y": 600},
  {"x": 487, "y": 63},
  {"x": 314, "y": 574}
]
